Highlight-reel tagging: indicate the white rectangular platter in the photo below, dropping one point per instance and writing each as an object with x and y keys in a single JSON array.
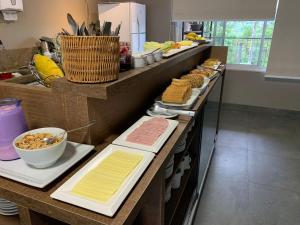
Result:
[
  {"x": 172, "y": 52},
  {"x": 214, "y": 74},
  {"x": 19, "y": 171},
  {"x": 214, "y": 67},
  {"x": 195, "y": 94},
  {"x": 121, "y": 140},
  {"x": 63, "y": 193},
  {"x": 204, "y": 86}
]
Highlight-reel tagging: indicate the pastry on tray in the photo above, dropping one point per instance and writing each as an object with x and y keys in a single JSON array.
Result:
[
  {"x": 196, "y": 80},
  {"x": 179, "y": 92},
  {"x": 211, "y": 62},
  {"x": 215, "y": 60},
  {"x": 204, "y": 72}
]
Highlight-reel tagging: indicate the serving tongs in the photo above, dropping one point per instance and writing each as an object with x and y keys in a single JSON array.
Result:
[
  {"x": 73, "y": 24},
  {"x": 218, "y": 70},
  {"x": 158, "y": 109},
  {"x": 95, "y": 28}
]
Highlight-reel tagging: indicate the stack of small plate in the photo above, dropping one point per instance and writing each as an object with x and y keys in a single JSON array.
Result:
[{"x": 8, "y": 208}]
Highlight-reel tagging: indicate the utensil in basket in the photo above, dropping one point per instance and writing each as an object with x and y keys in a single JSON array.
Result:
[
  {"x": 106, "y": 28},
  {"x": 73, "y": 24},
  {"x": 98, "y": 30},
  {"x": 117, "y": 31},
  {"x": 161, "y": 110},
  {"x": 64, "y": 32}
]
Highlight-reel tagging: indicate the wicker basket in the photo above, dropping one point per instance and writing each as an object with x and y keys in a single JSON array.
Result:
[{"x": 91, "y": 59}]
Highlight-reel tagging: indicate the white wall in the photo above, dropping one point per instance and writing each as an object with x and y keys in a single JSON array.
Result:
[
  {"x": 249, "y": 87},
  {"x": 285, "y": 49},
  {"x": 47, "y": 17},
  {"x": 43, "y": 18}
]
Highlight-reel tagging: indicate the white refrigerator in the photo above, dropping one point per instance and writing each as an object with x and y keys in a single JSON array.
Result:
[{"x": 133, "y": 18}]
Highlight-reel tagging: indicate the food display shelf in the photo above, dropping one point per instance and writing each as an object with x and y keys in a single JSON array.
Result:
[{"x": 172, "y": 206}]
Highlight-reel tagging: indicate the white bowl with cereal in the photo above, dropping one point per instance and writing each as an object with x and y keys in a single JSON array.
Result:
[{"x": 38, "y": 153}]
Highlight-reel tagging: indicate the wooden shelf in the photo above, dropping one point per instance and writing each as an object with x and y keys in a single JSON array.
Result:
[
  {"x": 128, "y": 78},
  {"x": 179, "y": 156},
  {"x": 172, "y": 205},
  {"x": 9, "y": 220}
]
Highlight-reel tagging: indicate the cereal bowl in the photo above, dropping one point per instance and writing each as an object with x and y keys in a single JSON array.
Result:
[{"x": 40, "y": 156}]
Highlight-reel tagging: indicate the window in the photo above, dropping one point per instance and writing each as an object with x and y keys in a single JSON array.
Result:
[{"x": 248, "y": 42}]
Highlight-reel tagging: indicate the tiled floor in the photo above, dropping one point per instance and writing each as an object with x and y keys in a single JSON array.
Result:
[{"x": 254, "y": 177}]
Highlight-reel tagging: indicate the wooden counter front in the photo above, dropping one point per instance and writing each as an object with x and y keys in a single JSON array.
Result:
[
  {"x": 153, "y": 75},
  {"x": 115, "y": 105}
]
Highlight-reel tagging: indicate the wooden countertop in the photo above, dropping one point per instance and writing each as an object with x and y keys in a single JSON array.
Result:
[{"x": 107, "y": 90}]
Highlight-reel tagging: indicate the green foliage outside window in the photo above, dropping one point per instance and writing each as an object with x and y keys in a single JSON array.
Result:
[{"x": 249, "y": 42}]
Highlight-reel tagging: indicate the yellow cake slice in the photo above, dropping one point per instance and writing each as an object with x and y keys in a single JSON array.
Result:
[
  {"x": 196, "y": 80},
  {"x": 102, "y": 182},
  {"x": 178, "y": 92}
]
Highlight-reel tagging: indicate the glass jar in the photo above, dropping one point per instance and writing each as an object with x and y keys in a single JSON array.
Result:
[{"x": 12, "y": 124}]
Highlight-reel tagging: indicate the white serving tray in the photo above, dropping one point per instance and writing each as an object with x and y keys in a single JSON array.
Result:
[
  {"x": 172, "y": 52},
  {"x": 195, "y": 94},
  {"x": 205, "y": 84},
  {"x": 19, "y": 171},
  {"x": 63, "y": 193},
  {"x": 214, "y": 67},
  {"x": 152, "y": 114},
  {"x": 121, "y": 140},
  {"x": 215, "y": 73}
]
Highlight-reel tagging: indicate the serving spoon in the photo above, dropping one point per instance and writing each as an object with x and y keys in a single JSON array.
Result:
[{"x": 51, "y": 140}]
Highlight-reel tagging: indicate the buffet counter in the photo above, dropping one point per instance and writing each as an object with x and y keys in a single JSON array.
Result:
[{"x": 115, "y": 106}]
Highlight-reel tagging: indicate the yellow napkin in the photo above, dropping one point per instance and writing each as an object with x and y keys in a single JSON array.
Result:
[{"x": 103, "y": 181}]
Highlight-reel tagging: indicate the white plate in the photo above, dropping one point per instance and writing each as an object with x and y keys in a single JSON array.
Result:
[
  {"x": 205, "y": 83},
  {"x": 64, "y": 193},
  {"x": 172, "y": 52},
  {"x": 188, "y": 104},
  {"x": 9, "y": 210},
  {"x": 9, "y": 213},
  {"x": 19, "y": 171},
  {"x": 4, "y": 200},
  {"x": 150, "y": 113},
  {"x": 121, "y": 140},
  {"x": 8, "y": 206}
]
